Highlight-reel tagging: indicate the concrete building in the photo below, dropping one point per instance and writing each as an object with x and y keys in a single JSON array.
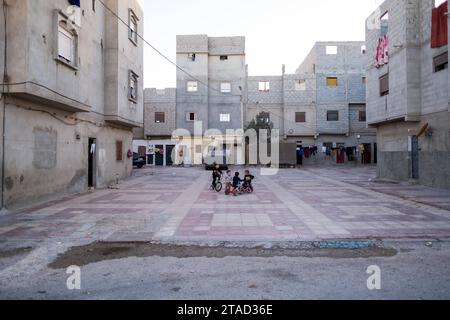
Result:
[
  {"x": 322, "y": 105},
  {"x": 154, "y": 140},
  {"x": 72, "y": 92},
  {"x": 210, "y": 91},
  {"x": 407, "y": 94}
]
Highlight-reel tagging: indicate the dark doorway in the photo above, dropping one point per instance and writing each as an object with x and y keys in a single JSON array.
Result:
[
  {"x": 375, "y": 153},
  {"x": 367, "y": 155},
  {"x": 169, "y": 157},
  {"x": 159, "y": 155},
  {"x": 299, "y": 155},
  {"x": 91, "y": 162},
  {"x": 415, "y": 157}
]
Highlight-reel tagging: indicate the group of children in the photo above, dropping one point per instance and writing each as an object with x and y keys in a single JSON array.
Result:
[{"x": 233, "y": 183}]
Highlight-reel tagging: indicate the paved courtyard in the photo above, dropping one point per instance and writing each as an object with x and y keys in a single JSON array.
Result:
[{"x": 175, "y": 204}]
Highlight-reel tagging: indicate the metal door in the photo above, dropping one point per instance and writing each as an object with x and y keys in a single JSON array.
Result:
[{"x": 415, "y": 157}]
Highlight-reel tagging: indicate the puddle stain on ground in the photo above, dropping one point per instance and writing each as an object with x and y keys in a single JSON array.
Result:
[
  {"x": 14, "y": 252},
  {"x": 104, "y": 251}
]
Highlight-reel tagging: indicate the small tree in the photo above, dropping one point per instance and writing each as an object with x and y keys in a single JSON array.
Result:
[{"x": 260, "y": 122}]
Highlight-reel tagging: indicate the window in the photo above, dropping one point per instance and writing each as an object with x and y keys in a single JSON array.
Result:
[
  {"x": 300, "y": 117},
  {"x": 332, "y": 81},
  {"x": 67, "y": 43},
  {"x": 264, "y": 86},
  {"x": 440, "y": 62},
  {"x": 384, "y": 24},
  {"x": 225, "y": 87},
  {"x": 133, "y": 23},
  {"x": 331, "y": 50},
  {"x": 225, "y": 117},
  {"x": 192, "y": 86},
  {"x": 362, "y": 116},
  {"x": 133, "y": 87},
  {"x": 191, "y": 56},
  {"x": 223, "y": 58},
  {"x": 384, "y": 85},
  {"x": 160, "y": 117},
  {"x": 300, "y": 85},
  {"x": 191, "y": 116},
  {"x": 332, "y": 115},
  {"x": 364, "y": 80},
  {"x": 119, "y": 151}
]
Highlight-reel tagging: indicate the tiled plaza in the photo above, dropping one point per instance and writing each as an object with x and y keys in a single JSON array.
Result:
[{"x": 175, "y": 204}]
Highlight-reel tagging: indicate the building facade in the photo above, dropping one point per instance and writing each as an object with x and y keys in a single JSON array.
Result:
[
  {"x": 321, "y": 107},
  {"x": 407, "y": 93},
  {"x": 210, "y": 92},
  {"x": 154, "y": 140},
  {"x": 72, "y": 93}
]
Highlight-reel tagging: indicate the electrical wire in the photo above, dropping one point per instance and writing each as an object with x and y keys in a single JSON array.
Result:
[{"x": 162, "y": 54}]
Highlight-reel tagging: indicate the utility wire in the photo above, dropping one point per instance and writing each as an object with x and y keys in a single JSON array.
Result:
[{"x": 160, "y": 53}]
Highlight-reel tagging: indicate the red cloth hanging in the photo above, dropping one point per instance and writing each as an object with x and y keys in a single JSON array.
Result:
[{"x": 439, "y": 26}]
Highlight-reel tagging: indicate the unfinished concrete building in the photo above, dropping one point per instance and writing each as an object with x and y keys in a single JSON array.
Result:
[
  {"x": 210, "y": 91},
  {"x": 72, "y": 91},
  {"x": 321, "y": 108},
  {"x": 155, "y": 142},
  {"x": 407, "y": 91}
]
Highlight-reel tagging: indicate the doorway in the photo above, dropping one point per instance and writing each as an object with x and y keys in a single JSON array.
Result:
[
  {"x": 159, "y": 155},
  {"x": 375, "y": 153},
  {"x": 169, "y": 156},
  {"x": 91, "y": 162},
  {"x": 367, "y": 154},
  {"x": 415, "y": 157}
]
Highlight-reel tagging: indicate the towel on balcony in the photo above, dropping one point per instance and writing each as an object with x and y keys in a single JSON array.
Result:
[
  {"x": 382, "y": 52},
  {"x": 439, "y": 26}
]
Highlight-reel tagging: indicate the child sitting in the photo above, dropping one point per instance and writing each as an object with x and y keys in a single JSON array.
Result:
[
  {"x": 248, "y": 178},
  {"x": 236, "y": 182},
  {"x": 228, "y": 182}
]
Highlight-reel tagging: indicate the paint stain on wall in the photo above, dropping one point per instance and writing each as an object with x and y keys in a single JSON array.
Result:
[{"x": 45, "y": 148}]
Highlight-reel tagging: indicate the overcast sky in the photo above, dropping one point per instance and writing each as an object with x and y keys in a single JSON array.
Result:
[{"x": 277, "y": 31}]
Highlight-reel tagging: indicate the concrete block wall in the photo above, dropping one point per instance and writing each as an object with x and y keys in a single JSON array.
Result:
[
  {"x": 208, "y": 102},
  {"x": 47, "y": 133},
  {"x": 159, "y": 101},
  {"x": 418, "y": 95}
]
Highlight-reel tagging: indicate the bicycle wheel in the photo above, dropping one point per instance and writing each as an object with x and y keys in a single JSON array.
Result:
[{"x": 219, "y": 186}]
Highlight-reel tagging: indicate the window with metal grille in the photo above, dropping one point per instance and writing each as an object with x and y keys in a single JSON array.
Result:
[
  {"x": 300, "y": 117},
  {"x": 384, "y": 85},
  {"x": 332, "y": 115},
  {"x": 362, "y": 116},
  {"x": 160, "y": 117}
]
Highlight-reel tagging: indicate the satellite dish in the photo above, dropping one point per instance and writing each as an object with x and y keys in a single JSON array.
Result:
[{"x": 74, "y": 15}]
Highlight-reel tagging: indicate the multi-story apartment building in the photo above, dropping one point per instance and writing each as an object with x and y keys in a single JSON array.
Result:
[
  {"x": 72, "y": 92},
  {"x": 322, "y": 106},
  {"x": 210, "y": 91},
  {"x": 154, "y": 141},
  {"x": 407, "y": 90}
]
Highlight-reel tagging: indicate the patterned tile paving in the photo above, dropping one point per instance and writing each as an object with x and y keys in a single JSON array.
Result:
[{"x": 305, "y": 204}]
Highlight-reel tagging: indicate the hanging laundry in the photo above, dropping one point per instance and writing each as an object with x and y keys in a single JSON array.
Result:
[
  {"x": 439, "y": 26},
  {"x": 382, "y": 52}
]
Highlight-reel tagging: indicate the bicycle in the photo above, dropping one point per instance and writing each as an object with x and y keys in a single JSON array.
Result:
[{"x": 217, "y": 185}]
